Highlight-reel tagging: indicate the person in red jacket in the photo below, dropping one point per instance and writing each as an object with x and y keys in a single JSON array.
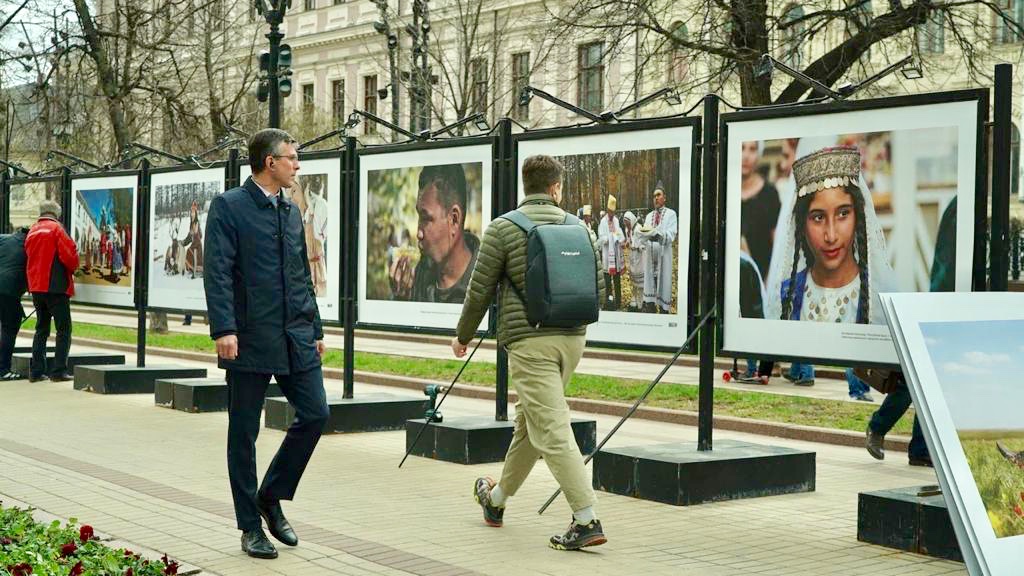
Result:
[{"x": 52, "y": 258}]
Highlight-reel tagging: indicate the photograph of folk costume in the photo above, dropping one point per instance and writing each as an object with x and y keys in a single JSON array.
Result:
[
  {"x": 316, "y": 193},
  {"x": 25, "y": 199},
  {"x": 832, "y": 261},
  {"x": 634, "y": 189},
  {"x": 178, "y": 206},
  {"x": 861, "y": 198},
  {"x": 425, "y": 213},
  {"x": 310, "y": 196},
  {"x": 103, "y": 221}
]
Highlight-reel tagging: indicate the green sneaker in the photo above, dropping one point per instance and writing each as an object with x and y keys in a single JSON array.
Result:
[
  {"x": 482, "y": 493},
  {"x": 579, "y": 536}
]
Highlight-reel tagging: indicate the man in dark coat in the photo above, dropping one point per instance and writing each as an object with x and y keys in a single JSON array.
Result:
[
  {"x": 264, "y": 319},
  {"x": 13, "y": 284}
]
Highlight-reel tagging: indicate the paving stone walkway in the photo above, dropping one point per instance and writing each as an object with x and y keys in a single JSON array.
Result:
[{"x": 157, "y": 477}]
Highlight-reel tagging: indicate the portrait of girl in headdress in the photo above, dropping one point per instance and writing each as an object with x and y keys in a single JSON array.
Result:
[{"x": 831, "y": 260}]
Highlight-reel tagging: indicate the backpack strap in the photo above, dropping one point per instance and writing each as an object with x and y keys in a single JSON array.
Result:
[
  {"x": 519, "y": 219},
  {"x": 526, "y": 225}
]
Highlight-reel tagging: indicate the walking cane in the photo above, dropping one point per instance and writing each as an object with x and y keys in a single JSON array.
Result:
[
  {"x": 27, "y": 317},
  {"x": 430, "y": 417},
  {"x": 639, "y": 400}
]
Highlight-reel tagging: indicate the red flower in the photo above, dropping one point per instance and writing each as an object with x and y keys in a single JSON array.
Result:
[
  {"x": 23, "y": 569},
  {"x": 85, "y": 533},
  {"x": 68, "y": 549},
  {"x": 171, "y": 566},
  {"x": 5, "y": 541},
  {"x": 76, "y": 570},
  {"x": 129, "y": 572}
]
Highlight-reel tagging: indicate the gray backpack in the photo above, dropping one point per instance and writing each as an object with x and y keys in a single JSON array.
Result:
[{"x": 561, "y": 273}]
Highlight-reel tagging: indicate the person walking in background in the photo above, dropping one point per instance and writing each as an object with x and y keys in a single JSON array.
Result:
[
  {"x": 13, "y": 284},
  {"x": 541, "y": 360},
  {"x": 857, "y": 388},
  {"x": 51, "y": 260},
  {"x": 897, "y": 401},
  {"x": 265, "y": 322}
]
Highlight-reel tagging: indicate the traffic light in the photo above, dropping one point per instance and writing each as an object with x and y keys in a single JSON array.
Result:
[
  {"x": 284, "y": 65},
  {"x": 284, "y": 57}
]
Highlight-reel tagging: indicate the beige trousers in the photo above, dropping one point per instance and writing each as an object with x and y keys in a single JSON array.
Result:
[{"x": 539, "y": 368}]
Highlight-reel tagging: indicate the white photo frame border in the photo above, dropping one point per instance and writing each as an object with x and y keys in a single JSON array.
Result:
[
  {"x": 417, "y": 315},
  {"x": 115, "y": 296},
  {"x": 846, "y": 343}
]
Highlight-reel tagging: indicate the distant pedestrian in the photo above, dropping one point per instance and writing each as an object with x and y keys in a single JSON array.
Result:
[
  {"x": 857, "y": 388},
  {"x": 52, "y": 259},
  {"x": 13, "y": 284},
  {"x": 897, "y": 401}
]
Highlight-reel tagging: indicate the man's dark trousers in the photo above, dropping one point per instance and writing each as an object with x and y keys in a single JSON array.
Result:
[
  {"x": 892, "y": 409},
  {"x": 58, "y": 307},
  {"x": 246, "y": 392},
  {"x": 11, "y": 314}
]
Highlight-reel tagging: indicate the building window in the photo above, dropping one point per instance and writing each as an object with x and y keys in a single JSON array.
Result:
[
  {"x": 370, "y": 102},
  {"x": 1006, "y": 32},
  {"x": 678, "y": 65},
  {"x": 309, "y": 4},
  {"x": 478, "y": 73},
  {"x": 931, "y": 35},
  {"x": 590, "y": 91},
  {"x": 791, "y": 36},
  {"x": 520, "y": 80},
  {"x": 308, "y": 102},
  {"x": 338, "y": 101}
]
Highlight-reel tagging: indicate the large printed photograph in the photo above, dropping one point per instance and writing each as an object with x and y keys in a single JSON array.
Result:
[
  {"x": 317, "y": 196},
  {"x": 425, "y": 213},
  {"x": 632, "y": 189},
  {"x": 820, "y": 224},
  {"x": 25, "y": 200},
  {"x": 103, "y": 226},
  {"x": 959, "y": 353},
  {"x": 179, "y": 204}
]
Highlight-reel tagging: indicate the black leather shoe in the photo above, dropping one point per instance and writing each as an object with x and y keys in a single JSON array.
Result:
[
  {"x": 36, "y": 378},
  {"x": 256, "y": 544},
  {"x": 62, "y": 377},
  {"x": 277, "y": 523}
]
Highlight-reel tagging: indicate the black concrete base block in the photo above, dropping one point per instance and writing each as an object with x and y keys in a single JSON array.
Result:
[
  {"x": 129, "y": 379},
  {"x": 21, "y": 363},
  {"x": 914, "y": 519},
  {"x": 198, "y": 394},
  {"x": 479, "y": 439},
  {"x": 28, "y": 350},
  {"x": 681, "y": 475},
  {"x": 364, "y": 413}
]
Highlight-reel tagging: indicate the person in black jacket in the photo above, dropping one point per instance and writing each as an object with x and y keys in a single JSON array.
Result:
[
  {"x": 264, "y": 319},
  {"x": 13, "y": 284}
]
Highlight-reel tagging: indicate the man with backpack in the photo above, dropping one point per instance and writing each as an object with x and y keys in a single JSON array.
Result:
[{"x": 528, "y": 251}]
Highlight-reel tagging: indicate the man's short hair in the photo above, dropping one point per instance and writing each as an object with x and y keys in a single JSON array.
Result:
[
  {"x": 540, "y": 172},
  {"x": 49, "y": 208},
  {"x": 265, "y": 143},
  {"x": 450, "y": 182}
]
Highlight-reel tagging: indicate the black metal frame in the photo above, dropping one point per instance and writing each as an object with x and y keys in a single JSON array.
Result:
[
  {"x": 8, "y": 182},
  {"x": 355, "y": 214},
  {"x": 980, "y": 95},
  {"x": 694, "y": 262},
  {"x": 223, "y": 165}
]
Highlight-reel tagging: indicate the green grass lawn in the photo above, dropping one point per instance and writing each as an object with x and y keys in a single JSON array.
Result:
[{"x": 758, "y": 405}]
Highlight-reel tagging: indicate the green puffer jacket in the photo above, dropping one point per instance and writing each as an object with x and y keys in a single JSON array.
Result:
[{"x": 504, "y": 248}]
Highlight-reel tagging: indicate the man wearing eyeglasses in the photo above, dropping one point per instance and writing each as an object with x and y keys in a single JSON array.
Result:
[{"x": 264, "y": 319}]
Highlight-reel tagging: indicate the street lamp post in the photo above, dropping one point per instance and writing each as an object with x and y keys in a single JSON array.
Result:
[{"x": 275, "y": 64}]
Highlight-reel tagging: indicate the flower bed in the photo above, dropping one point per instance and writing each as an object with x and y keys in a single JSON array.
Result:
[{"x": 30, "y": 548}]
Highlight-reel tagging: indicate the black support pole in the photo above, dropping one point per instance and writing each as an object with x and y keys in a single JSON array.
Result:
[
  {"x": 350, "y": 239},
  {"x": 505, "y": 199},
  {"x": 5, "y": 202},
  {"x": 999, "y": 247},
  {"x": 709, "y": 260},
  {"x": 275, "y": 37},
  {"x": 139, "y": 254},
  {"x": 231, "y": 170}
]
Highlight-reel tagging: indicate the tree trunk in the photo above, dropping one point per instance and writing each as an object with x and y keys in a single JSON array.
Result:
[{"x": 107, "y": 79}]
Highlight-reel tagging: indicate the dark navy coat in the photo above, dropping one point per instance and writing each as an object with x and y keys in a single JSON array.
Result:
[
  {"x": 258, "y": 284},
  {"x": 13, "y": 281}
]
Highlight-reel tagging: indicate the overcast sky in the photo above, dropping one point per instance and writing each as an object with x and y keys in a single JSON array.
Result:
[
  {"x": 35, "y": 19},
  {"x": 980, "y": 366}
]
